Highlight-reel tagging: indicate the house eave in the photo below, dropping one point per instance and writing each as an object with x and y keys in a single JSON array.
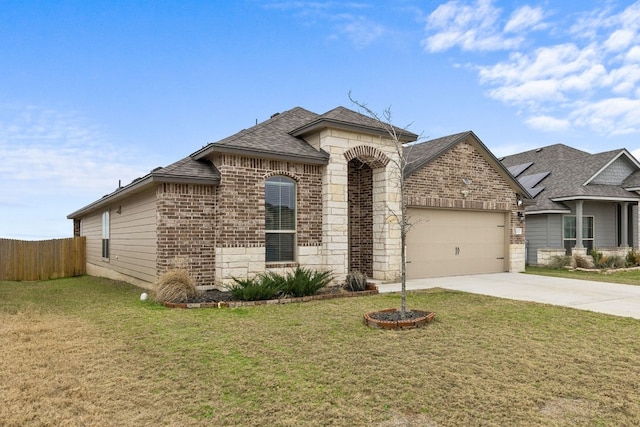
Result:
[
  {"x": 324, "y": 123},
  {"x": 208, "y": 151},
  {"x": 138, "y": 186},
  {"x": 549, "y": 211},
  {"x": 597, "y": 198}
]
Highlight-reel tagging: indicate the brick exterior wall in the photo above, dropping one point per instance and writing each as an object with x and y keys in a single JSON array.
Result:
[
  {"x": 240, "y": 220},
  {"x": 360, "y": 195},
  {"x": 440, "y": 185},
  {"x": 185, "y": 230}
]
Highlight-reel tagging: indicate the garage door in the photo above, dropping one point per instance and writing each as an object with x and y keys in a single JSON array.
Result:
[{"x": 449, "y": 242}]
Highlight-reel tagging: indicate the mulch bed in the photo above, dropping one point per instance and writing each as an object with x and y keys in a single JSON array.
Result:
[{"x": 214, "y": 298}]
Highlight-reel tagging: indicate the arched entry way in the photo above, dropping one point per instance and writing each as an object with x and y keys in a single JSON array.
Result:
[
  {"x": 360, "y": 217},
  {"x": 363, "y": 161}
]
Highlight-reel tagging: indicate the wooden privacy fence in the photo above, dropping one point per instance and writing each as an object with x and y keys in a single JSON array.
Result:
[{"x": 42, "y": 260}]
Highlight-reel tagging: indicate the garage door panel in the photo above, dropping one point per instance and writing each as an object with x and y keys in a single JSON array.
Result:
[{"x": 445, "y": 243}]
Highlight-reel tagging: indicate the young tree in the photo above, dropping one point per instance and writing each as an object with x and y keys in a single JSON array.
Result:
[{"x": 400, "y": 164}]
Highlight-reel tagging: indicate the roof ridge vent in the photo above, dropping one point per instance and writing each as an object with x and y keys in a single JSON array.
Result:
[
  {"x": 273, "y": 115},
  {"x": 538, "y": 150}
]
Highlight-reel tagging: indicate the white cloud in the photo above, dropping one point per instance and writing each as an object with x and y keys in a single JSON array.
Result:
[
  {"x": 524, "y": 18},
  {"x": 348, "y": 19},
  {"x": 619, "y": 40},
  {"x": 360, "y": 31},
  {"x": 613, "y": 116},
  {"x": 477, "y": 27},
  {"x": 52, "y": 163},
  {"x": 44, "y": 151},
  {"x": 547, "y": 123},
  {"x": 589, "y": 76}
]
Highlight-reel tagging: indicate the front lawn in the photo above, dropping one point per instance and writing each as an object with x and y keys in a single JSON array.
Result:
[
  {"x": 86, "y": 351},
  {"x": 627, "y": 277}
]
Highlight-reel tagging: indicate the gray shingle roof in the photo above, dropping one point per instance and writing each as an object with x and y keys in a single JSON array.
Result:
[
  {"x": 189, "y": 168},
  {"x": 271, "y": 138},
  {"x": 342, "y": 117},
  {"x": 186, "y": 170},
  {"x": 567, "y": 170},
  {"x": 418, "y": 155}
]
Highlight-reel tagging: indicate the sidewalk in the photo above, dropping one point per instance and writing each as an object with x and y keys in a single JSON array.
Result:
[{"x": 601, "y": 297}]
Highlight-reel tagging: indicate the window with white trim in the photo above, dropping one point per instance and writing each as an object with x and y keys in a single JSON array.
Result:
[
  {"x": 105, "y": 234},
  {"x": 280, "y": 219},
  {"x": 569, "y": 232}
]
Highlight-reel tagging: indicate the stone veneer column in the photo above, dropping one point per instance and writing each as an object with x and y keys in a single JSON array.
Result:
[
  {"x": 335, "y": 211},
  {"x": 386, "y": 223},
  {"x": 335, "y": 205}
]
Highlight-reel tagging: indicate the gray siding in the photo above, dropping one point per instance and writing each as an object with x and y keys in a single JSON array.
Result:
[
  {"x": 545, "y": 231},
  {"x": 542, "y": 231},
  {"x": 605, "y": 223},
  {"x": 133, "y": 237}
]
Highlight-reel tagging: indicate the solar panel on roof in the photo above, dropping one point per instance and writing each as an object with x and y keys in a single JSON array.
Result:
[
  {"x": 531, "y": 181},
  {"x": 535, "y": 191},
  {"x": 518, "y": 169}
]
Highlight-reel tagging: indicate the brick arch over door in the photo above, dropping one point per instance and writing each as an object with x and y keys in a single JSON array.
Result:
[{"x": 371, "y": 156}]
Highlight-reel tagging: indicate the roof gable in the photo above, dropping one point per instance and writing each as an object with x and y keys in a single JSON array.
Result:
[
  {"x": 343, "y": 118},
  {"x": 421, "y": 154},
  {"x": 617, "y": 166}
]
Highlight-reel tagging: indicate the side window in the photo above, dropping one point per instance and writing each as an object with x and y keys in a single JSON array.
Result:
[
  {"x": 105, "y": 234},
  {"x": 280, "y": 219}
]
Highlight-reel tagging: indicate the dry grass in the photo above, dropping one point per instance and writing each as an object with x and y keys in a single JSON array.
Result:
[
  {"x": 86, "y": 351},
  {"x": 175, "y": 286}
]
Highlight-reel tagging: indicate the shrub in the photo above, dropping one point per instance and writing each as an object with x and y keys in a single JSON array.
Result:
[
  {"x": 633, "y": 258},
  {"x": 299, "y": 283},
  {"x": 582, "y": 262},
  {"x": 559, "y": 261},
  {"x": 303, "y": 282},
  {"x": 614, "y": 262},
  {"x": 356, "y": 281},
  {"x": 175, "y": 286},
  {"x": 261, "y": 287},
  {"x": 597, "y": 257}
]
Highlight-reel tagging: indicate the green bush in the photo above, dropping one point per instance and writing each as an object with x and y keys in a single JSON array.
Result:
[
  {"x": 303, "y": 282},
  {"x": 559, "y": 261},
  {"x": 270, "y": 285},
  {"x": 259, "y": 288},
  {"x": 633, "y": 258},
  {"x": 597, "y": 258},
  {"x": 356, "y": 281}
]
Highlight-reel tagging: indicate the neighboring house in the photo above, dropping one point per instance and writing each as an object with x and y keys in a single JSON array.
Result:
[
  {"x": 319, "y": 191},
  {"x": 581, "y": 201}
]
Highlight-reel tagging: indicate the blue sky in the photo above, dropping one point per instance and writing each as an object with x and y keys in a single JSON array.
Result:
[{"x": 96, "y": 92}]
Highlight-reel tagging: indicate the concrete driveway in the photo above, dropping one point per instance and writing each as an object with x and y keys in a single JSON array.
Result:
[{"x": 609, "y": 298}]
